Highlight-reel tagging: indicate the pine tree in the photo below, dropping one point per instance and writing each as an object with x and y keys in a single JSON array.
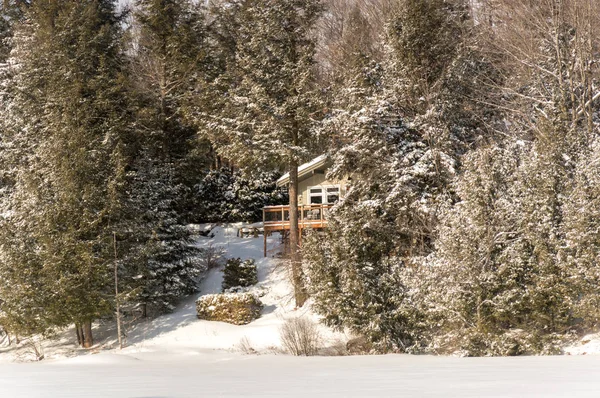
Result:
[
  {"x": 170, "y": 57},
  {"x": 5, "y": 34},
  {"x": 68, "y": 121},
  {"x": 401, "y": 129},
  {"x": 223, "y": 196},
  {"x": 239, "y": 274},
  {"x": 269, "y": 120}
]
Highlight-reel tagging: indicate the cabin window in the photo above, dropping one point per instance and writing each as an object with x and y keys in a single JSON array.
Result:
[
  {"x": 324, "y": 195},
  {"x": 333, "y": 194}
]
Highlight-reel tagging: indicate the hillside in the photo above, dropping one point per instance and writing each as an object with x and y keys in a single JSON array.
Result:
[{"x": 181, "y": 332}]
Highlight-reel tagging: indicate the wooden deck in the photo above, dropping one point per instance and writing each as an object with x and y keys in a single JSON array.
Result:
[{"x": 277, "y": 218}]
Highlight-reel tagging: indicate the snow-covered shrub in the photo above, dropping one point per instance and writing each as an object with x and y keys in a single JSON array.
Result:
[
  {"x": 300, "y": 336},
  {"x": 34, "y": 348},
  {"x": 224, "y": 196},
  {"x": 235, "y": 308},
  {"x": 238, "y": 273},
  {"x": 211, "y": 257}
]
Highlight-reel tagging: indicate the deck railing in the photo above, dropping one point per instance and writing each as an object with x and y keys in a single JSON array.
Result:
[{"x": 309, "y": 216}]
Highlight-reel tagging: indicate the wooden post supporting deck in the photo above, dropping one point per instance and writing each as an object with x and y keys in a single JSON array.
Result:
[
  {"x": 265, "y": 242},
  {"x": 265, "y": 233}
]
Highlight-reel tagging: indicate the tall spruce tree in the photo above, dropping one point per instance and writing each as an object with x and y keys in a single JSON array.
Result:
[
  {"x": 68, "y": 123},
  {"x": 170, "y": 56},
  {"x": 273, "y": 103}
]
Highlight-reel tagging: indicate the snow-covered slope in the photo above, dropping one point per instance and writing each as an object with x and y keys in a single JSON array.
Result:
[{"x": 182, "y": 332}]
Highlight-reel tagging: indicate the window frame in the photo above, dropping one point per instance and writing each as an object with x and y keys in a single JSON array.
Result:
[{"x": 323, "y": 194}]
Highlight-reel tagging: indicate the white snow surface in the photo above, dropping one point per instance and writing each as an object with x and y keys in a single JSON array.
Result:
[
  {"x": 588, "y": 345},
  {"x": 221, "y": 374}
]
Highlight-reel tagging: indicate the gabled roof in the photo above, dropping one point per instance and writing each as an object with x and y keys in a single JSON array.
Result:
[{"x": 306, "y": 170}]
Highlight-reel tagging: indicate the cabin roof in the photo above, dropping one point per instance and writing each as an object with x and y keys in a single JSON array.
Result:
[{"x": 306, "y": 170}]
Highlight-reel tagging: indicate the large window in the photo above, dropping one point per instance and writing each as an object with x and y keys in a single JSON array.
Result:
[{"x": 324, "y": 194}]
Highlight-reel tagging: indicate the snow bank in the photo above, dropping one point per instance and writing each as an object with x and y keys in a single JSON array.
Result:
[{"x": 588, "y": 345}]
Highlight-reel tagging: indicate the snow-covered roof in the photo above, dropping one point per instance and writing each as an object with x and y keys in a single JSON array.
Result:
[{"x": 305, "y": 169}]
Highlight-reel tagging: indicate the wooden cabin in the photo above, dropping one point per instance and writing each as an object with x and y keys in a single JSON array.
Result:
[{"x": 316, "y": 195}]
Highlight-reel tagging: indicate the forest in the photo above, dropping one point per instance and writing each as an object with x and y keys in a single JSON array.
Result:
[{"x": 469, "y": 127}]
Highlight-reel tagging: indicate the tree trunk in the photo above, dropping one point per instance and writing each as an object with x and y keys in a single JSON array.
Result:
[
  {"x": 88, "y": 340},
  {"x": 79, "y": 332},
  {"x": 297, "y": 279}
]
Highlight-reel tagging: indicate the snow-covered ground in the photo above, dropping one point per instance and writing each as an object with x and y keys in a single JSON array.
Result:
[
  {"x": 177, "y": 355},
  {"x": 182, "y": 332},
  {"x": 221, "y": 374},
  {"x": 588, "y": 345}
]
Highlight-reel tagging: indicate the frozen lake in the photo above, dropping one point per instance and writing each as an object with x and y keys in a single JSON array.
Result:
[{"x": 217, "y": 374}]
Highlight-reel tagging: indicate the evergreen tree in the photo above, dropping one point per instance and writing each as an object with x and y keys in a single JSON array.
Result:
[
  {"x": 223, "y": 196},
  {"x": 273, "y": 102},
  {"x": 170, "y": 57},
  {"x": 239, "y": 274},
  {"x": 479, "y": 285},
  {"x": 355, "y": 269},
  {"x": 537, "y": 286},
  {"x": 68, "y": 121},
  {"x": 11, "y": 11},
  {"x": 162, "y": 267},
  {"x": 5, "y": 34},
  {"x": 581, "y": 250}
]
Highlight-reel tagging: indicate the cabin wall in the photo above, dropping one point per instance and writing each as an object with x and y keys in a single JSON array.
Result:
[{"x": 317, "y": 180}]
